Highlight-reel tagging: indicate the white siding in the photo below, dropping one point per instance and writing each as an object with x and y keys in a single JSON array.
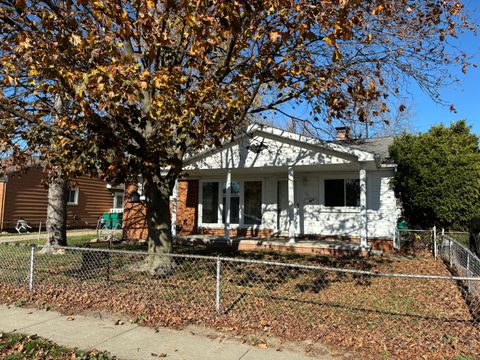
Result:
[
  {"x": 317, "y": 219},
  {"x": 237, "y": 155}
]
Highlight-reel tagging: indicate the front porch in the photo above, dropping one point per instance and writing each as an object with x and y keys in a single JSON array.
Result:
[{"x": 327, "y": 246}]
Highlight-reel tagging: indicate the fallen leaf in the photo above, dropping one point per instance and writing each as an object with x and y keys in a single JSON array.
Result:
[{"x": 70, "y": 318}]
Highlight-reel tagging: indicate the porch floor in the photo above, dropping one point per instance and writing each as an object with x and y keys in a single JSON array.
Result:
[{"x": 303, "y": 246}]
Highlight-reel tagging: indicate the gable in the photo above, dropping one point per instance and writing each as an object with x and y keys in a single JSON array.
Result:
[{"x": 277, "y": 151}]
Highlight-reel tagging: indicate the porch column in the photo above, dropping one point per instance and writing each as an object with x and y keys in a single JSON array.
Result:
[
  {"x": 228, "y": 190},
  {"x": 363, "y": 207},
  {"x": 291, "y": 206},
  {"x": 174, "y": 209}
]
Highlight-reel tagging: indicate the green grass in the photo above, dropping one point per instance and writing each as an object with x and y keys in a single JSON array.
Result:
[
  {"x": 461, "y": 237},
  {"x": 72, "y": 240},
  {"x": 23, "y": 347}
]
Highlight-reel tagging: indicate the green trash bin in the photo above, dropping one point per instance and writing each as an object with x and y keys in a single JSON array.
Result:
[
  {"x": 402, "y": 224},
  {"x": 107, "y": 220},
  {"x": 116, "y": 220}
]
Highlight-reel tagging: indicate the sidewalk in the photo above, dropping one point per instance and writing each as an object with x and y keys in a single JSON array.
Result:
[{"x": 129, "y": 341}]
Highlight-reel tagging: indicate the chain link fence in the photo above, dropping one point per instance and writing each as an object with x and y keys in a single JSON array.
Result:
[
  {"x": 414, "y": 241},
  {"x": 462, "y": 262},
  {"x": 373, "y": 314}
]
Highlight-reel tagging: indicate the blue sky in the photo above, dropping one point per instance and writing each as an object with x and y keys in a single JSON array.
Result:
[{"x": 465, "y": 95}]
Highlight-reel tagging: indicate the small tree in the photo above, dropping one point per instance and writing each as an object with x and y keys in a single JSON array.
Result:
[
  {"x": 148, "y": 81},
  {"x": 438, "y": 176}
]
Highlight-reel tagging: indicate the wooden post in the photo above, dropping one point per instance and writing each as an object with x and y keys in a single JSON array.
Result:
[
  {"x": 291, "y": 205},
  {"x": 174, "y": 209},
  {"x": 434, "y": 242},
  {"x": 228, "y": 191},
  {"x": 363, "y": 207}
]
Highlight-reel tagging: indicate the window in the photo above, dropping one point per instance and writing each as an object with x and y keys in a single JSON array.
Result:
[
  {"x": 72, "y": 197},
  {"x": 253, "y": 202},
  {"x": 118, "y": 201},
  {"x": 352, "y": 192},
  {"x": 248, "y": 205},
  {"x": 234, "y": 203},
  {"x": 342, "y": 192},
  {"x": 210, "y": 202}
]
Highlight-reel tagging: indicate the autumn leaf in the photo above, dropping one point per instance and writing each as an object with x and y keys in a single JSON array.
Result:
[
  {"x": 328, "y": 40},
  {"x": 274, "y": 36}
]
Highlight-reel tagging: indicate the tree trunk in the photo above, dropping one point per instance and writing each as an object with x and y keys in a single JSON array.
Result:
[
  {"x": 57, "y": 213},
  {"x": 157, "y": 202}
]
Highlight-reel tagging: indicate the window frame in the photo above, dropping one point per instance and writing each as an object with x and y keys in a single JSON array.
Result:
[
  {"x": 241, "y": 194},
  {"x": 115, "y": 194},
  {"x": 76, "y": 190}
]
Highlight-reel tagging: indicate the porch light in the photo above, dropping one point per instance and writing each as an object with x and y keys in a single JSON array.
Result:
[{"x": 135, "y": 198}]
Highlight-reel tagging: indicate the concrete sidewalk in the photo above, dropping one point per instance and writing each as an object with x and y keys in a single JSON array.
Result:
[{"x": 129, "y": 341}]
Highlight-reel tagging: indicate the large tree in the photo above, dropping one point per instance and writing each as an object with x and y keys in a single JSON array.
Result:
[
  {"x": 148, "y": 81},
  {"x": 438, "y": 176}
]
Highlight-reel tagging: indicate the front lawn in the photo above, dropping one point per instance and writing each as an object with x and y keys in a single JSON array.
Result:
[
  {"x": 23, "y": 347},
  {"x": 373, "y": 317}
]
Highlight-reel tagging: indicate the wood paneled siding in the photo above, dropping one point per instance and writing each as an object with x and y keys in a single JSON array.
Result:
[{"x": 26, "y": 197}]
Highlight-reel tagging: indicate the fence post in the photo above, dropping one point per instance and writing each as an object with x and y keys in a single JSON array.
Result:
[
  {"x": 450, "y": 251},
  {"x": 434, "y": 241},
  {"x": 217, "y": 295},
  {"x": 468, "y": 273},
  {"x": 39, "y": 231},
  {"x": 32, "y": 265}
]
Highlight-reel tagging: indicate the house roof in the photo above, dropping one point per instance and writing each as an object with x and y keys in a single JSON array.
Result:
[
  {"x": 378, "y": 145},
  {"x": 8, "y": 167}
]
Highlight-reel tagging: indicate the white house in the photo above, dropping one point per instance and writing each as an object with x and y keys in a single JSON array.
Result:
[{"x": 272, "y": 183}]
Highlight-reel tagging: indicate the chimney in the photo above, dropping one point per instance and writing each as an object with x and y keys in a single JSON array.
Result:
[{"x": 342, "y": 133}]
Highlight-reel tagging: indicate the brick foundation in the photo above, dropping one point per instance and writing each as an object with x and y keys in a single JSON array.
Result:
[
  {"x": 263, "y": 233},
  {"x": 134, "y": 224},
  {"x": 306, "y": 250}
]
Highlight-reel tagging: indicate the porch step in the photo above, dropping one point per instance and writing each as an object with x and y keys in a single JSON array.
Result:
[{"x": 317, "y": 247}]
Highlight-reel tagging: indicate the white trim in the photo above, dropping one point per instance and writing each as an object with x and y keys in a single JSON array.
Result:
[
  {"x": 291, "y": 204},
  {"x": 174, "y": 209},
  {"x": 363, "y": 207},
  {"x": 228, "y": 196}
]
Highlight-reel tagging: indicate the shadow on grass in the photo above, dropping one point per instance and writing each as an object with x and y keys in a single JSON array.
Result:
[{"x": 295, "y": 302}]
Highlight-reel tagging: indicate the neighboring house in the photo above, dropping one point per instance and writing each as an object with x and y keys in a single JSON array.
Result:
[
  {"x": 24, "y": 196},
  {"x": 272, "y": 183}
]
